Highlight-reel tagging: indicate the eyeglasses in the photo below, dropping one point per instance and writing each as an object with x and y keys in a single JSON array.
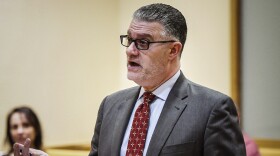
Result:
[{"x": 140, "y": 44}]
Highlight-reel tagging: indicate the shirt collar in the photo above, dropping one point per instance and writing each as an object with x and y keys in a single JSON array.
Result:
[{"x": 163, "y": 90}]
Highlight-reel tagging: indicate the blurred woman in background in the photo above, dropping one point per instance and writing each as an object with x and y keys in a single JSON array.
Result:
[{"x": 22, "y": 123}]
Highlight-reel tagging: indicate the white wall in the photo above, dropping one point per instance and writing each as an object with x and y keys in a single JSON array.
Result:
[
  {"x": 261, "y": 68},
  {"x": 60, "y": 58},
  {"x": 63, "y": 57}
]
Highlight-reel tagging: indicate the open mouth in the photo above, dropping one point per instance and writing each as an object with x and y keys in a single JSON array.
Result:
[{"x": 133, "y": 64}]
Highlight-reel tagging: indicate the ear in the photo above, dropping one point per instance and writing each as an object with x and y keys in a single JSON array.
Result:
[{"x": 175, "y": 50}]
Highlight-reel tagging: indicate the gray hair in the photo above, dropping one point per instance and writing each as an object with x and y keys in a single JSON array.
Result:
[{"x": 169, "y": 17}]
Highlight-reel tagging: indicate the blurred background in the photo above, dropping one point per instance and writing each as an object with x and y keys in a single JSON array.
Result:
[{"x": 62, "y": 57}]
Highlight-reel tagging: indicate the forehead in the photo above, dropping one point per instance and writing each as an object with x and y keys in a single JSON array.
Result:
[
  {"x": 18, "y": 118},
  {"x": 145, "y": 29}
]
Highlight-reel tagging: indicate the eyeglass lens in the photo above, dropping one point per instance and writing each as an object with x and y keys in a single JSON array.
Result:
[{"x": 140, "y": 44}]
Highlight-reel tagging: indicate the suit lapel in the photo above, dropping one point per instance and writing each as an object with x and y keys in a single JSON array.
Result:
[
  {"x": 122, "y": 119},
  {"x": 173, "y": 107}
]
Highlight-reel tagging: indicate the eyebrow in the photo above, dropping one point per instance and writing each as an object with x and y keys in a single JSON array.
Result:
[{"x": 142, "y": 35}]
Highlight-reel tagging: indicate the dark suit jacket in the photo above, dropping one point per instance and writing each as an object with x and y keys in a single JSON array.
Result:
[{"x": 195, "y": 121}]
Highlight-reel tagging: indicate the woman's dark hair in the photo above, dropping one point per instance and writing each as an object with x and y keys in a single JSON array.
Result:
[{"x": 33, "y": 121}]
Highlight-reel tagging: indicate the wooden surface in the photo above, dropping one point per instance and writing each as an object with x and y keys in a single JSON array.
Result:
[{"x": 266, "y": 147}]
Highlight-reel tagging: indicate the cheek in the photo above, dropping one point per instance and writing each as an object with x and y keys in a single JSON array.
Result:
[
  {"x": 30, "y": 132},
  {"x": 13, "y": 134},
  {"x": 156, "y": 62}
]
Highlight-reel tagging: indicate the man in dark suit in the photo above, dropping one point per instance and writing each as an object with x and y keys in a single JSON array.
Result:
[{"x": 184, "y": 118}]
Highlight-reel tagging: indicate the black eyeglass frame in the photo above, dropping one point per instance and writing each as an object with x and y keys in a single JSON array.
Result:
[{"x": 136, "y": 44}]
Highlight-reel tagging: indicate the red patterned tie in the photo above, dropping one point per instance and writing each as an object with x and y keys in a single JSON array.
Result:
[{"x": 138, "y": 132}]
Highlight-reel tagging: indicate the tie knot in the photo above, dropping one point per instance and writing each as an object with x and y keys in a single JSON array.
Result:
[{"x": 148, "y": 97}]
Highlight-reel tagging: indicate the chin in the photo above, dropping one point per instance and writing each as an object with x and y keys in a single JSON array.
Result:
[
  {"x": 20, "y": 141},
  {"x": 134, "y": 77},
  {"x": 131, "y": 77}
]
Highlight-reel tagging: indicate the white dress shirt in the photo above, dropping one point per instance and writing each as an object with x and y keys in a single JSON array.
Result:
[{"x": 155, "y": 110}]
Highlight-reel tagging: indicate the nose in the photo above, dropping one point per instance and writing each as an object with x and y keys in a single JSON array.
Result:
[
  {"x": 20, "y": 130},
  {"x": 132, "y": 50}
]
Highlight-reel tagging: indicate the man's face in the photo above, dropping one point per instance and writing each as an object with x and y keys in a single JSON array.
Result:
[{"x": 147, "y": 68}]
